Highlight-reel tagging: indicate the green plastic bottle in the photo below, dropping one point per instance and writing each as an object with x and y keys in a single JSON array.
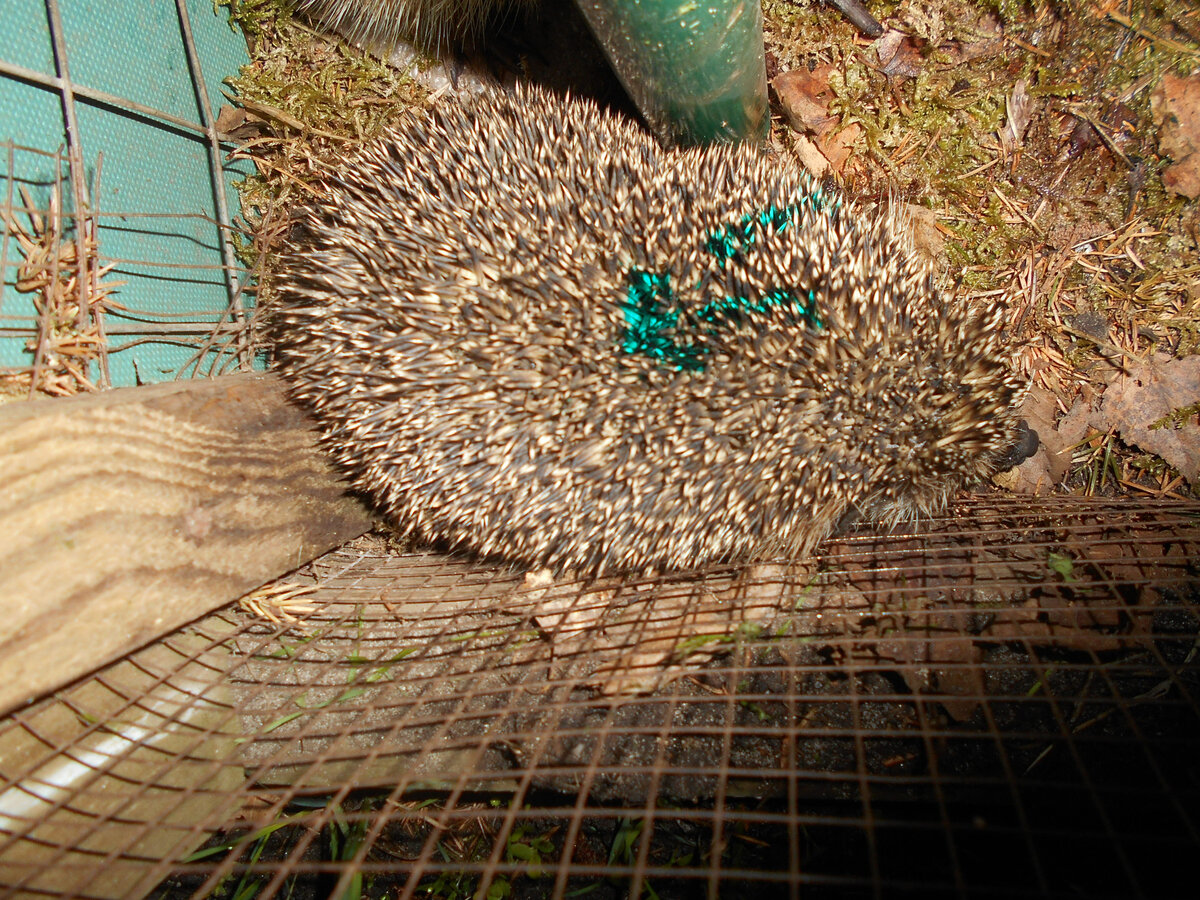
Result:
[{"x": 695, "y": 68}]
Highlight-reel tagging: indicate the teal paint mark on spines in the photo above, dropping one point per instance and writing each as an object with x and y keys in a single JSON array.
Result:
[
  {"x": 730, "y": 240},
  {"x": 657, "y": 328},
  {"x": 652, "y": 319},
  {"x": 656, "y": 324},
  {"x": 729, "y": 311}
]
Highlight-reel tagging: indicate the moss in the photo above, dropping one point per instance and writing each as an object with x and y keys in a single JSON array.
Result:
[
  {"x": 314, "y": 98},
  {"x": 1081, "y": 205}
]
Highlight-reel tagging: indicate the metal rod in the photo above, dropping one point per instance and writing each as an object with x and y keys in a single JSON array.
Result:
[
  {"x": 218, "y": 182},
  {"x": 8, "y": 212},
  {"x": 86, "y": 279},
  {"x": 87, "y": 93},
  {"x": 114, "y": 328},
  {"x": 98, "y": 311},
  {"x": 80, "y": 201}
]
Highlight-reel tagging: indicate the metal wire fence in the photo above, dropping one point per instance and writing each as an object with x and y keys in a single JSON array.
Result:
[
  {"x": 1003, "y": 702},
  {"x": 117, "y": 253}
]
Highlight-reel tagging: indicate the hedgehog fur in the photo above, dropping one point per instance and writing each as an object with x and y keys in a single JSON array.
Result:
[
  {"x": 528, "y": 330},
  {"x": 432, "y": 24}
]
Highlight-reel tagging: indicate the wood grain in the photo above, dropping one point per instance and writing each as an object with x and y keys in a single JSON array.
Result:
[{"x": 126, "y": 514}]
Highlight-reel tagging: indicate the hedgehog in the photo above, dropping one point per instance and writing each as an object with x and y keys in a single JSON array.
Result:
[
  {"x": 436, "y": 25},
  {"x": 529, "y": 331}
]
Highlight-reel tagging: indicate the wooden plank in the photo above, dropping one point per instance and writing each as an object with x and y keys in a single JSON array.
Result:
[{"x": 126, "y": 514}]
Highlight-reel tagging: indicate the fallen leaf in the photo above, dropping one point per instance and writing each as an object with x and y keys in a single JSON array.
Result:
[
  {"x": 1090, "y": 324},
  {"x": 1049, "y": 465},
  {"x": 805, "y": 97},
  {"x": 1020, "y": 107},
  {"x": 922, "y": 231},
  {"x": 810, "y": 157},
  {"x": 1033, "y": 476},
  {"x": 1137, "y": 403},
  {"x": 899, "y": 56},
  {"x": 238, "y": 125},
  {"x": 838, "y": 147},
  {"x": 1175, "y": 106}
]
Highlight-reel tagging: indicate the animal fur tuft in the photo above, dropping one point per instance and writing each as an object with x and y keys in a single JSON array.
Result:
[{"x": 435, "y": 25}]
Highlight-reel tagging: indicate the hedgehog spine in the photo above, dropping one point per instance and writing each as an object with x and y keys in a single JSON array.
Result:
[{"x": 528, "y": 330}]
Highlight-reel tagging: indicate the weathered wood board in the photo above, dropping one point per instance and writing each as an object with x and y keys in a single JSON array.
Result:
[{"x": 126, "y": 514}]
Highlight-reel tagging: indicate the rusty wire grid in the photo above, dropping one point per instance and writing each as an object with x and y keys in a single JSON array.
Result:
[{"x": 1001, "y": 702}]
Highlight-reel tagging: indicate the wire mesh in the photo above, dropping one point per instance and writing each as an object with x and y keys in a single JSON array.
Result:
[
  {"x": 111, "y": 166},
  {"x": 1001, "y": 702}
]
